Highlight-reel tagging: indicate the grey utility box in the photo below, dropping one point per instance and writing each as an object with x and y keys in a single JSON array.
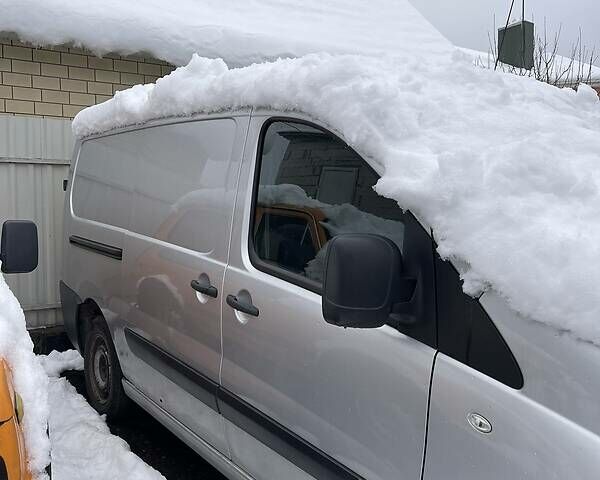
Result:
[{"x": 516, "y": 44}]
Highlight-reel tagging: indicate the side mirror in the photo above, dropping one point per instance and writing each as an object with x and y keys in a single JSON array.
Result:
[
  {"x": 19, "y": 246},
  {"x": 363, "y": 281}
]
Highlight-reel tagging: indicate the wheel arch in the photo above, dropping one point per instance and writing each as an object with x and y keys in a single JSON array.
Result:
[{"x": 88, "y": 311}]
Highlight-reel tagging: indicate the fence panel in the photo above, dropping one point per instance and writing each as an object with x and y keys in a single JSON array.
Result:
[{"x": 35, "y": 154}]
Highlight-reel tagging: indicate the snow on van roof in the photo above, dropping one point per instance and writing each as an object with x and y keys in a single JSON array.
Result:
[
  {"x": 505, "y": 169},
  {"x": 239, "y": 31}
]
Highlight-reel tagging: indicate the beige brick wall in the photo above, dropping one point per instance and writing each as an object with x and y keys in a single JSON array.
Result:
[{"x": 60, "y": 81}]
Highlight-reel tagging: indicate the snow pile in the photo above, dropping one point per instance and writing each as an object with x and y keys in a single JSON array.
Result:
[
  {"x": 240, "y": 31},
  {"x": 505, "y": 169},
  {"x": 28, "y": 377},
  {"x": 57, "y": 362},
  {"x": 81, "y": 440}
]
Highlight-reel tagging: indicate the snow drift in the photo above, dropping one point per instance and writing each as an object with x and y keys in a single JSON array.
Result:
[
  {"x": 81, "y": 440},
  {"x": 240, "y": 31},
  {"x": 29, "y": 379},
  {"x": 505, "y": 169}
]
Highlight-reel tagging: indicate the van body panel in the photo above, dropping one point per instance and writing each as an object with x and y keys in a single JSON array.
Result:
[
  {"x": 208, "y": 452},
  {"x": 174, "y": 187},
  {"x": 258, "y": 459},
  {"x": 527, "y": 440},
  {"x": 561, "y": 369},
  {"x": 188, "y": 242},
  {"x": 359, "y": 396}
]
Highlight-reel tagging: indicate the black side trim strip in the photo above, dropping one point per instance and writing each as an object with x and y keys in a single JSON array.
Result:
[
  {"x": 97, "y": 247},
  {"x": 282, "y": 440},
  {"x": 193, "y": 382},
  {"x": 274, "y": 435}
]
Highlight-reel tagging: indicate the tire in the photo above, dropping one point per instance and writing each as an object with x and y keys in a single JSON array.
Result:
[{"x": 103, "y": 373}]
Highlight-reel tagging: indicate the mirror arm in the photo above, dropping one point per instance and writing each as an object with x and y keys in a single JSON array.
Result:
[{"x": 404, "y": 312}]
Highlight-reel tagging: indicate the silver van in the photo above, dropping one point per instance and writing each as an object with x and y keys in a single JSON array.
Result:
[{"x": 237, "y": 276}]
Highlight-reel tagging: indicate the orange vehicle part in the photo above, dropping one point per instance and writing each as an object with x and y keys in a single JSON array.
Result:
[
  {"x": 13, "y": 458},
  {"x": 313, "y": 217}
]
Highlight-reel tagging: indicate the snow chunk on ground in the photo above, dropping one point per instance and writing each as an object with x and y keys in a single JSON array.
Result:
[
  {"x": 240, "y": 31},
  {"x": 57, "y": 362},
  {"x": 504, "y": 168},
  {"x": 81, "y": 440},
  {"x": 29, "y": 379},
  {"x": 82, "y": 445}
]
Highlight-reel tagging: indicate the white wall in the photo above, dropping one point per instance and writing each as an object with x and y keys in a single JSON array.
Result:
[{"x": 35, "y": 154}]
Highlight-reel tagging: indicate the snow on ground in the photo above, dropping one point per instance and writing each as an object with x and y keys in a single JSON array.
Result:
[
  {"x": 82, "y": 445},
  {"x": 29, "y": 379},
  {"x": 240, "y": 31},
  {"x": 504, "y": 168},
  {"x": 57, "y": 362}
]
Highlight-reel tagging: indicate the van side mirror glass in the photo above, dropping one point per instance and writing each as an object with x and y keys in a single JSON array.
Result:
[
  {"x": 19, "y": 246},
  {"x": 363, "y": 281}
]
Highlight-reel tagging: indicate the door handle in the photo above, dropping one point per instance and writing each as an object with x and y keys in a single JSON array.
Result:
[
  {"x": 204, "y": 287},
  {"x": 242, "y": 306}
]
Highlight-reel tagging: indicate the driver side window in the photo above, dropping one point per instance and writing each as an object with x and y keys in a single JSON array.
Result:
[{"x": 311, "y": 186}]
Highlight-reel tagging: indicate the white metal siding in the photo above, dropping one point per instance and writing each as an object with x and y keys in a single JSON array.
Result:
[{"x": 35, "y": 154}]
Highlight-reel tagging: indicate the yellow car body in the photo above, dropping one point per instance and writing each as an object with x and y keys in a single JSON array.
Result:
[{"x": 13, "y": 457}]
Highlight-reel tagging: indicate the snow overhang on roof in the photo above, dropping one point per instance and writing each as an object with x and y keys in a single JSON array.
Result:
[{"x": 239, "y": 31}]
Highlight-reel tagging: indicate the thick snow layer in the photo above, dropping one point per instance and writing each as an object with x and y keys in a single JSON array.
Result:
[
  {"x": 504, "y": 168},
  {"x": 240, "y": 31},
  {"x": 29, "y": 379},
  {"x": 82, "y": 445}
]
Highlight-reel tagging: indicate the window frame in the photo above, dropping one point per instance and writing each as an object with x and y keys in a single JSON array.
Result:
[
  {"x": 427, "y": 331},
  {"x": 255, "y": 260}
]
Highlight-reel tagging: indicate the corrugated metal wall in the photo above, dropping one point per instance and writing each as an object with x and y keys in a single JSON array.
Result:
[{"x": 35, "y": 154}]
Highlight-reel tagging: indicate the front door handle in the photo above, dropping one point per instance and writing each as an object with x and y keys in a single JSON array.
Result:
[
  {"x": 203, "y": 286},
  {"x": 242, "y": 306}
]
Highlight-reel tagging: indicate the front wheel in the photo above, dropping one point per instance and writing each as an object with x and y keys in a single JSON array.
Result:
[{"x": 103, "y": 374}]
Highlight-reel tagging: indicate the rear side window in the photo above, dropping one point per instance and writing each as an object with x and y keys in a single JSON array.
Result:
[
  {"x": 104, "y": 180},
  {"x": 466, "y": 332},
  {"x": 311, "y": 186},
  {"x": 166, "y": 182}
]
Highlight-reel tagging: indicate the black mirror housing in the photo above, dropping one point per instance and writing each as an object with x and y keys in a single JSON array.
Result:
[
  {"x": 363, "y": 277},
  {"x": 19, "y": 246}
]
